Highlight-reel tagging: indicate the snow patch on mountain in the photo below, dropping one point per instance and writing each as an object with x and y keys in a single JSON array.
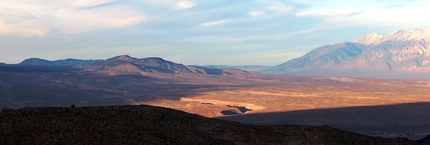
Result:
[
  {"x": 373, "y": 38},
  {"x": 400, "y": 35},
  {"x": 405, "y": 52}
]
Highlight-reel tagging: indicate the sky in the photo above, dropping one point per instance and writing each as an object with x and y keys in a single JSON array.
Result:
[{"x": 199, "y": 32}]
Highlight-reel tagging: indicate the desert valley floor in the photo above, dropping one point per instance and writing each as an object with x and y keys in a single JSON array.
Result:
[
  {"x": 388, "y": 108},
  {"x": 369, "y": 106}
]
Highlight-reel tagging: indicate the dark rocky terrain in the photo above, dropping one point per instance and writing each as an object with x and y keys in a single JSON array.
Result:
[
  {"x": 425, "y": 140},
  {"x": 143, "y": 124}
]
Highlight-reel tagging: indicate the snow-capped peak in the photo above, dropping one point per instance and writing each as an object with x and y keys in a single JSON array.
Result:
[
  {"x": 373, "y": 38},
  {"x": 400, "y": 35},
  {"x": 407, "y": 35}
]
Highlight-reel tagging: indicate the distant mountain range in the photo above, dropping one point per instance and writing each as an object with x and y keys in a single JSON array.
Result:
[
  {"x": 403, "y": 54},
  {"x": 400, "y": 54},
  {"x": 125, "y": 64},
  {"x": 151, "y": 63},
  {"x": 65, "y": 62}
]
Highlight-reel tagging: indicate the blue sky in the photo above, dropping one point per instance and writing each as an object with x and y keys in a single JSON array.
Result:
[{"x": 230, "y": 32}]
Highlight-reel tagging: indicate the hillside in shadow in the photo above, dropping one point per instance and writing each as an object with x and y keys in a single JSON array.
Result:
[
  {"x": 407, "y": 120},
  {"x": 143, "y": 124},
  {"x": 38, "y": 86}
]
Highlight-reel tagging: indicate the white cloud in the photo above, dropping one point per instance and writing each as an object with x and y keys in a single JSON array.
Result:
[
  {"x": 36, "y": 18},
  {"x": 185, "y": 4},
  {"x": 213, "y": 23},
  {"x": 77, "y": 21}
]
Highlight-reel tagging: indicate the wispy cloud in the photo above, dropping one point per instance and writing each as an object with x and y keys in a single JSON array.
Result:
[
  {"x": 36, "y": 18},
  {"x": 77, "y": 21},
  {"x": 173, "y": 4},
  {"x": 213, "y": 23},
  {"x": 280, "y": 9},
  {"x": 327, "y": 13},
  {"x": 271, "y": 7},
  {"x": 397, "y": 14},
  {"x": 89, "y": 3},
  {"x": 185, "y": 4}
]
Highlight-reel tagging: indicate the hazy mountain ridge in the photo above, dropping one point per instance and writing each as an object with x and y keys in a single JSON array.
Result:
[
  {"x": 151, "y": 63},
  {"x": 65, "y": 62},
  {"x": 401, "y": 51},
  {"x": 125, "y": 64}
]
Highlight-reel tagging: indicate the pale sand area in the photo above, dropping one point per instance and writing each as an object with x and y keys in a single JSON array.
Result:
[{"x": 263, "y": 100}]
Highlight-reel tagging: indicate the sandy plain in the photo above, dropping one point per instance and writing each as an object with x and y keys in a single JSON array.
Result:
[
  {"x": 301, "y": 97},
  {"x": 388, "y": 108}
]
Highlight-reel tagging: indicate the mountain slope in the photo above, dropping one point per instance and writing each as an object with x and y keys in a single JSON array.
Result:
[
  {"x": 125, "y": 64},
  {"x": 402, "y": 53},
  {"x": 155, "y": 125}
]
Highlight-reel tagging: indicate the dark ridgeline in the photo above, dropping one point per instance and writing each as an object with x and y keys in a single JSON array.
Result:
[
  {"x": 425, "y": 140},
  {"x": 155, "y": 125}
]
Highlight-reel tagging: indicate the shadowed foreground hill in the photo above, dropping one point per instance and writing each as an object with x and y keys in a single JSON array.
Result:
[{"x": 156, "y": 125}]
